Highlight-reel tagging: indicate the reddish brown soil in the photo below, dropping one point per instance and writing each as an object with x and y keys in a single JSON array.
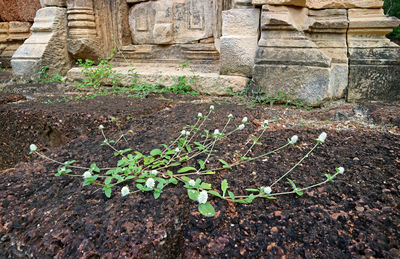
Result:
[{"x": 42, "y": 216}]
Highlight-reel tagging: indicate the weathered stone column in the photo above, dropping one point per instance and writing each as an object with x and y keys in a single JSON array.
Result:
[
  {"x": 374, "y": 60},
  {"x": 240, "y": 28},
  {"x": 83, "y": 41},
  {"x": 47, "y": 45},
  {"x": 287, "y": 60}
]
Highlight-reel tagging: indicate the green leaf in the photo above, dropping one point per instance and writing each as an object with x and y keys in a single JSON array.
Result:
[
  {"x": 108, "y": 180},
  {"x": 215, "y": 193},
  {"x": 185, "y": 178},
  {"x": 225, "y": 164},
  {"x": 231, "y": 195},
  {"x": 141, "y": 180},
  {"x": 193, "y": 194},
  {"x": 173, "y": 181},
  {"x": 205, "y": 186},
  {"x": 224, "y": 187},
  {"x": 140, "y": 187},
  {"x": 156, "y": 194},
  {"x": 207, "y": 209},
  {"x": 299, "y": 193},
  {"x": 208, "y": 173},
  {"x": 253, "y": 190},
  {"x": 202, "y": 164},
  {"x": 94, "y": 168},
  {"x": 329, "y": 177},
  {"x": 107, "y": 191},
  {"x": 156, "y": 152},
  {"x": 292, "y": 184},
  {"x": 170, "y": 173},
  {"x": 187, "y": 169}
]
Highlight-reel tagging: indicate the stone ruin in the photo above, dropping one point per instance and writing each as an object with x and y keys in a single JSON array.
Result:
[{"x": 314, "y": 50}]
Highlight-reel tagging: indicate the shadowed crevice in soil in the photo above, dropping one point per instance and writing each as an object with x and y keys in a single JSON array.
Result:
[{"x": 42, "y": 216}]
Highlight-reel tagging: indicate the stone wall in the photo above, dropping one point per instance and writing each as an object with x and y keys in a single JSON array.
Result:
[
  {"x": 315, "y": 50},
  {"x": 16, "y": 17}
]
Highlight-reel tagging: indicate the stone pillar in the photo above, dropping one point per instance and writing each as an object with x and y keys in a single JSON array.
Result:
[
  {"x": 240, "y": 28},
  {"x": 83, "y": 41},
  {"x": 327, "y": 28},
  {"x": 17, "y": 33},
  {"x": 57, "y": 3},
  {"x": 287, "y": 60},
  {"x": 46, "y": 46},
  {"x": 374, "y": 60}
]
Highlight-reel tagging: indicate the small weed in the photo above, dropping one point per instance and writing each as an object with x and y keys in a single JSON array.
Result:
[{"x": 44, "y": 77}]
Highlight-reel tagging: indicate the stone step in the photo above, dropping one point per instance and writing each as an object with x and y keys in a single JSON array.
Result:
[{"x": 167, "y": 75}]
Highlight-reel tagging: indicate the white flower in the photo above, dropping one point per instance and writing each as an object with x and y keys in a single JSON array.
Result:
[
  {"x": 150, "y": 183},
  {"x": 241, "y": 126},
  {"x": 124, "y": 191},
  {"x": 101, "y": 127},
  {"x": 267, "y": 190},
  {"x": 154, "y": 172},
  {"x": 244, "y": 120},
  {"x": 216, "y": 132},
  {"x": 183, "y": 132},
  {"x": 293, "y": 140},
  {"x": 199, "y": 115},
  {"x": 87, "y": 174},
  {"x": 212, "y": 107},
  {"x": 340, "y": 170},
  {"x": 230, "y": 116},
  {"x": 265, "y": 123},
  {"x": 203, "y": 197},
  {"x": 322, "y": 137},
  {"x": 187, "y": 133},
  {"x": 33, "y": 148},
  {"x": 192, "y": 182},
  {"x": 177, "y": 150}
]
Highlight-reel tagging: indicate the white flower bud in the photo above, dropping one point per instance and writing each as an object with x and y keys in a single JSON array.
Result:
[
  {"x": 33, "y": 148},
  {"x": 125, "y": 191},
  {"x": 244, "y": 120},
  {"x": 212, "y": 107},
  {"x": 199, "y": 115},
  {"x": 267, "y": 190},
  {"x": 101, "y": 127},
  {"x": 154, "y": 172},
  {"x": 87, "y": 174},
  {"x": 192, "y": 182},
  {"x": 340, "y": 170},
  {"x": 265, "y": 123},
  {"x": 177, "y": 150},
  {"x": 187, "y": 133},
  {"x": 230, "y": 116},
  {"x": 293, "y": 140},
  {"x": 241, "y": 126},
  {"x": 216, "y": 132},
  {"x": 150, "y": 183},
  {"x": 183, "y": 132},
  {"x": 322, "y": 137},
  {"x": 203, "y": 197}
]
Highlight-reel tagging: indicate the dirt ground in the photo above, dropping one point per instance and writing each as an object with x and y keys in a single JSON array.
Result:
[{"x": 42, "y": 216}]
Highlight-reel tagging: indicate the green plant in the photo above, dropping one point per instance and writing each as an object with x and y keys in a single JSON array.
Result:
[
  {"x": 185, "y": 160},
  {"x": 262, "y": 97},
  {"x": 96, "y": 75},
  {"x": 3, "y": 69},
  {"x": 44, "y": 77},
  {"x": 392, "y": 8}
]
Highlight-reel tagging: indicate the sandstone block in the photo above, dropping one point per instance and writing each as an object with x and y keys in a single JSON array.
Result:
[
  {"x": 57, "y": 3},
  {"x": 46, "y": 46},
  {"x": 192, "y": 20},
  {"x": 18, "y": 10},
  {"x": 240, "y": 22},
  {"x": 324, "y": 4}
]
